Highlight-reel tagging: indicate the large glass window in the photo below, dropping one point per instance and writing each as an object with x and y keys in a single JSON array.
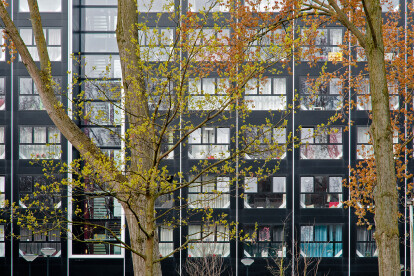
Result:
[
  {"x": 53, "y": 41},
  {"x": 364, "y": 98},
  {"x": 207, "y": 93},
  {"x": 155, "y": 6},
  {"x": 99, "y": 19},
  {"x": 321, "y": 192},
  {"x": 38, "y": 191},
  {"x": 99, "y": 42},
  {"x": 325, "y": 44},
  {"x": 209, "y": 192},
  {"x": 263, "y": 5},
  {"x": 212, "y": 240},
  {"x": 33, "y": 239},
  {"x": 99, "y": 66},
  {"x": 265, "y": 143},
  {"x": 209, "y": 143},
  {"x": 267, "y": 94},
  {"x": 207, "y": 5},
  {"x": 265, "y": 193},
  {"x": 166, "y": 241},
  {"x": 156, "y": 44},
  {"x": 29, "y": 98},
  {"x": 366, "y": 246},
  {"x": 321, "y": 143},
  {"x": 264, "y": 241},
  {"x": 365, "y": 150},
  {"x": 321, "y": 241},
  {"x": 320, "y": 96},
  {"x": 39, "y": 142},
  {"x": 44, "y": 6},
  {"x": 102, "y": 215}
]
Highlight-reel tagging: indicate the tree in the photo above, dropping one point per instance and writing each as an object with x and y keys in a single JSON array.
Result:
[{"x": 159, "y": 120}]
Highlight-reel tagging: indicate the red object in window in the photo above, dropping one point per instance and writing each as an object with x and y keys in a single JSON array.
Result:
[
  {"x": 333, "y": 204},
  {"x": 210, "y": 157}
]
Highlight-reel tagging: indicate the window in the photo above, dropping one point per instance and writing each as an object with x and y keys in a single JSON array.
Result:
[
  {"x": 100, "y": 2},
  {"x": 155, "y": 6},
  {"x": 321, "y": 241},
  {"x": 264, "y": 241},
  {"x": 320, "y": 96},
  {"x": 104, "y": 137},
  {"x": 265, "y": 193},
  {"x": 2, "y": 92},
  {"x": 2, "y": 143},
  {"x": 364, "y": 98},
  {"x": 366, "y": 246},
  {"x": 209, "y": 192},
  {"x": 104, "y": 212},
  {"x": 2, "y": 192},
  {"x": 156, "y": 44},
  {"x": 33, "y": 239},
  {"x": 321, "y": 144},
  {"x": 99, "y": 66},
  {"x": 325, "y": 44},
  {"x": 212, "y": 240},
  {"x": 209, "y": 143},
  {"x": 166, "y": 242},
  {"x": 44, "y": 6},
  {"x": 99, "y": 42},
  {"x": 364, "y": 149},
  {"x": 2, "y": 244},
  {"x": 265, "y": 143},
  {"x": 161, "y": 94},
  {"x": 321, "y": 192},
  {"x": 208, "y": 93},
  {"x": 207, "y": 6},
  {"x": 37, "y": 191},
  {"x": 99, "y": 19},
  {"x": 211, "y": 44},
  {"x": 29, "y": 98},
  {"x": 267, "y": 94},
  {"x": 263, "y": 5},
  {"x": 39, "y": 142},
  {"x": 390, "y": 6},
  {"x": 269, "y": 46},
  {"x": 53, "y": 41}
]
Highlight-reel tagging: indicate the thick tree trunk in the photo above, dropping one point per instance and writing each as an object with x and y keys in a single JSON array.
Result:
[
  {"x": 385, "y": 193},
  {"x": 140, "y": 142}
]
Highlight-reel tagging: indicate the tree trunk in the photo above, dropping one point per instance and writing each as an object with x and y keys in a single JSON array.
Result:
[{"x": 385, "y": 193}]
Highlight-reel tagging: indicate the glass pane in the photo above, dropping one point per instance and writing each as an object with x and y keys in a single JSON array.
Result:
[
  {"x": 54, "y": 135},
  {"x": 39, "y": 135},
  {"x": 363, "y": 135},
  {"x": 25, "y": 86},
  {"x": 279, "y": 184},
  {"x": 251, "y": 86},
  {"x": 306, "y": 233},
  {"x": 195, "y": 137},
  {"x": 44, "y": 5},
  {"x": 223, "y": 136},
  {"x": 307, "y": 135},
  {"x": 99, "y": 43},
  {"x": 336, "y": 37},
  {"x": 250, "y": 185},
  {"x": 265, "y": 87},
  {"x": 25, "y": 135},
  {"x": 99, "y": 19},
  {"x": 335, "y": 184},
  {"x": 27, "y": 36},
  {"x": 54, "y": 37},
  {"x": 306, "y": 185},
  {"x": 155, "y": 5},
  {"x": 279, "y": 86},
  {"x": 279, "y": 135},
  {"x": 209, "y": 85}
]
